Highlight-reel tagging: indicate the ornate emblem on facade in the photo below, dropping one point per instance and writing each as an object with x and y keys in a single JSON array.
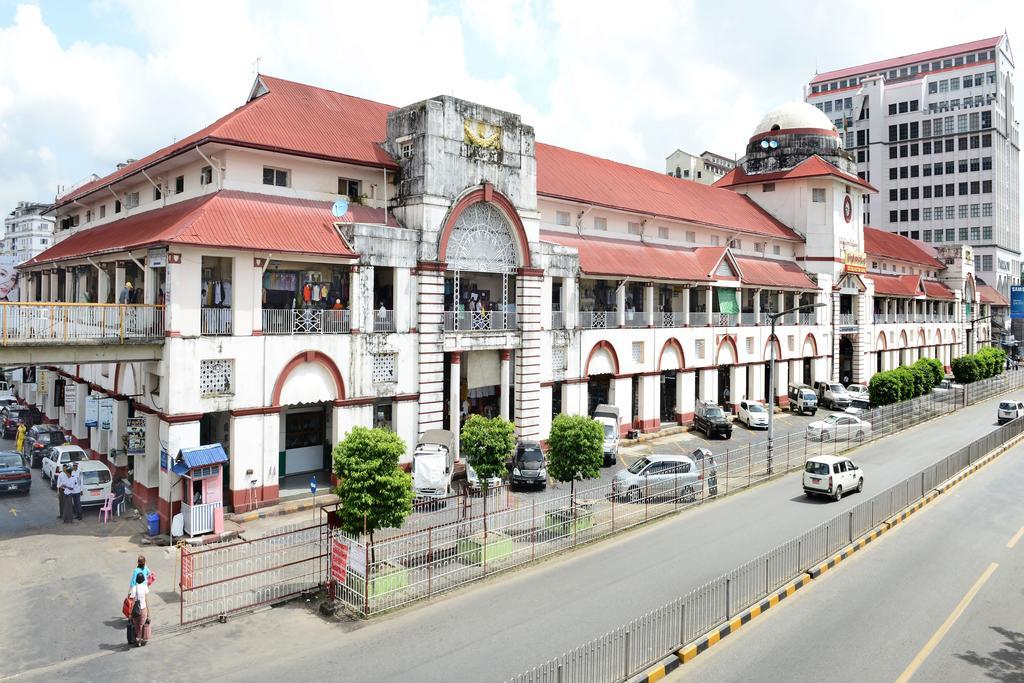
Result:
[{"x": 480, "y": 134}]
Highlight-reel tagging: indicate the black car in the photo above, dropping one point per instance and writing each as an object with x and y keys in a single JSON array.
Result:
[
  {"x": 528, "y": 465},
  {"x": 38, "y": 439},
  {"x": 14, "y": 414},
  {"x": 14, "y": 476},
  {"x": 711, "y": 419}
]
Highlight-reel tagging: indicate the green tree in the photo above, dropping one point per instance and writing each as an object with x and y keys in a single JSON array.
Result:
[
  {"x": 905, "y": 381},
  {"x": 375, "y": 493},
  {"x": 883, "y": 388},
  {"x": 965, "y": 369},
  {"x": 936, "y": 368},
  {"x": 922, "y": 378},
  {"x": 575, "y": 449},
  {"x": 487, "y": 443}
]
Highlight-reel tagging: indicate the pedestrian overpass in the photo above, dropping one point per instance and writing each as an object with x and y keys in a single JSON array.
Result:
[{"x": 59, "y": 333}]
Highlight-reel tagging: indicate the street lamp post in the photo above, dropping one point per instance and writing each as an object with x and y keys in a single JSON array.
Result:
[
  {"x": 974, "y": 336},
  {"x": 771, "y": 376}
]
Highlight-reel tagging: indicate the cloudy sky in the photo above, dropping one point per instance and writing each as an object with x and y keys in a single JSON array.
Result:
[{"x": 84, "y": 85}]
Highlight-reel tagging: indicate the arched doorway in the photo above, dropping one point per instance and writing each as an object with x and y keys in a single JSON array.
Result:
[
  {"x": 602, "y": 365},
  {"x": 845, "y": 359}
]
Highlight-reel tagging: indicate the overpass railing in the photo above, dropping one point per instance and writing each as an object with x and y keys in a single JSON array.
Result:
[{"x": 25, "y": 323}]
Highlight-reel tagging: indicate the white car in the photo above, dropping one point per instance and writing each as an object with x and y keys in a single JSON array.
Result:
[
  {"x": 839, "y": 426},
  {"x": 56, "y": 457},
  {"x": 473, "y": 480},
  {"x": 753, "y": 414},
  {"x": 95, "y": 482},
  {"x": 1010, "y": 410},
  {"x": 857, "y": 391},
  {"x": 829, "y": 475}
]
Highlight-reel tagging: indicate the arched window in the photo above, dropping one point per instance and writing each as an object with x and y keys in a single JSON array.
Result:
[{"x": 481, "y": 241}]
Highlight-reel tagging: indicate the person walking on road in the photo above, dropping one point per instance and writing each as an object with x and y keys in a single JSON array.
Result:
[
  {"x": 67, "y": 493},
  {"x": 140, "y": 609},
  {"x": 19, "y": 440},
  {"x": 76, "y": 490},
  {"x": 141, "y": 570}
]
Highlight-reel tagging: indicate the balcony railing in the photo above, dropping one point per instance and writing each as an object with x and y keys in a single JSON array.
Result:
[
  {"x": 69, "y": 323},
  {"x": 698, "y": 318},
  {"x": 383, "y": 320},
  {"x": 670, "y": 319},
  {"x": 748, "y": 318},
  {"x": 847, "y": 318},
  {"x": 881, "y": 319},
  {"x": 199, "y": 518},
  {"x": 215, "y": 320},
  {"x": 808, "y": 318},
  {"x": 557, "y": 320},
  {"x": 305, "y": 321},
  {"x": 636, "y": 319},
  {"x": 724, "y": 319},
  {"x": 598, "y": 320},
  {"x": 479, "y": 321}
]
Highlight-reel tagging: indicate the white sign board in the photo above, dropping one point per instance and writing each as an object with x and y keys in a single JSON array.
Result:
[
  {"x": 106, "y": 413},
  {"x": 92, "y": 409}
]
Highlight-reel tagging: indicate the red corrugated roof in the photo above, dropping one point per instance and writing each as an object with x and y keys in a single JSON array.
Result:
[
  {"x": 291, "y": 117},
  {"x": 564, "y": 174},
  {"x": 772, "y": 273},
  {"x": 896, "y": 285},
  {"x": 890, "y": 245},
  {"x": 907, "y": 60},
  {"x": 613, "y": 257},
  {"x": 991, "y": 295},
  {"x": 811, "y": 167},
  {"x": 226, "y": 219},
  {"x": 937, "y": 290}
]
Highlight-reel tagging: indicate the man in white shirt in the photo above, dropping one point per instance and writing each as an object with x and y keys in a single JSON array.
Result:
[
  {"x": 67, "y": 493},
  {"x": 76, "y": 489},
  {"x": 62, "y": 481}
]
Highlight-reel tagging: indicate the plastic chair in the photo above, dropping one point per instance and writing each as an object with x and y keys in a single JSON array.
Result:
[{"x": 107, "y": 508}]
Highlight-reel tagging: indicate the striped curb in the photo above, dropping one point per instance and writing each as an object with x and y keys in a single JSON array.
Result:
[
  {"x": 680, "y": 657},
  {"x": 278, "y": 510},
  {"x": 685, "y": 654}
]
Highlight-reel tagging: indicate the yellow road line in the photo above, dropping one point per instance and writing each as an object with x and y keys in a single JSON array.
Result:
[
  {"x": 1016, "y": 537},
  {"x": 946, "y": 625}
]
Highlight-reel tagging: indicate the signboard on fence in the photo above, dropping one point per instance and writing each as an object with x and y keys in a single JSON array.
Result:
[
  {"x": 92, "y": 411},
  {"x": 339, "y": 560},
  {"x": 106, "y": 413},
  {"x": 1017, "y": 302},
  {"x": 136, "y": 430}
]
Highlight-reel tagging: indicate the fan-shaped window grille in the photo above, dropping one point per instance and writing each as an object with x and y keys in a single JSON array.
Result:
[{"x": 482, "y": 241}]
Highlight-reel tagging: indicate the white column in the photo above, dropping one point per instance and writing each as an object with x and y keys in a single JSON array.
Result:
[
  {"x": 355, "y": 304},
  {"x": 455, "y": 398},
  {"x": 686, "y": 308},
  {"x": 175, "y": 437},
  {"x": 755, "y": 382},
  {"x": 737, "y": 385},
  {"x": 246, "y": 296},
  {"x": 709, "y": 384},
  {"x": 685, "y": 398},
  {"x": 102, "y": 286},
  {"x": 757, "y": 305},
  {"x": 650, "y": 402},
  {"x": 506, "y": 371},
  {"x": 780, "y": 378},
  {"x": 622, "y": 397},
  {"x": 620, "y": 305},
  {"x": 574, "y": 398},
  {"x": 402, "y": 301},
  {"x": 649, "y": 305},
  {"x": 569, "y": 303},
  {"x": 182, "y": 294}
]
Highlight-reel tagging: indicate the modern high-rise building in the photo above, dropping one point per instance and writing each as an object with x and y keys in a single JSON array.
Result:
[
  {"x": 936, "y": 133},
  {"x": 27, "y": 232}
]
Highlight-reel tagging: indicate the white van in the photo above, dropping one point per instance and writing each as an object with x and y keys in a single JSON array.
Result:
[{"x": 96, "y": 481}]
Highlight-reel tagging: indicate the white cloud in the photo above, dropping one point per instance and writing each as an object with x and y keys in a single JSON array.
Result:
[{"x": 629, "y": 82}]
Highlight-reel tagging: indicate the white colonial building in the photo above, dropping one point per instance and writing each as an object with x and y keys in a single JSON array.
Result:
[
  {"x": 473, "y": 270},
  {"x": 27, "y": 232}
]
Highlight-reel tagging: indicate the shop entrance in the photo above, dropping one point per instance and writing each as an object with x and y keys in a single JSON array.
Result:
[
  {"x": 807, "y": 372},
  {"x": 304, "y": 441},
  {"x": 668, "y": 396},
  {"x": 845, "y": 359},
  {"x": 724, "y": 393},
  {"x": 480, "y": 384},
  {"x": 598, "y": 390}
]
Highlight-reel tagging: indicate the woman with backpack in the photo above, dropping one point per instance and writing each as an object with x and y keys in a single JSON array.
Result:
[{"x": 138, "y": 622}]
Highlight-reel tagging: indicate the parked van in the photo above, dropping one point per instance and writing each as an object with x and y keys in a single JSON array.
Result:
[
  {"x": 802, "y": 399},
  {"x": 611, "y": 421},
  {"x": 96, "y": 481},
  {"x": 433, "y": 463}
]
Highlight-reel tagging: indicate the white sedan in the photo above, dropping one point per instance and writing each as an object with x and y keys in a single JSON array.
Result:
[
  {"x": 752, "y": 414},
  {"x": 839, "y": 426},
  {"x": 857, "y": 391},
  {"x": 56, "y": 457}
]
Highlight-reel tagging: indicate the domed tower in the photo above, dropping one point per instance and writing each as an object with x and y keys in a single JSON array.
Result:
[{"x": 791, "y": 134}]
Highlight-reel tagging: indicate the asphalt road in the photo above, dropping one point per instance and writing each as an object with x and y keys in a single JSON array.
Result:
[
  {"x": 938, "y": 599},
  {"x": 502, "y": 626}
]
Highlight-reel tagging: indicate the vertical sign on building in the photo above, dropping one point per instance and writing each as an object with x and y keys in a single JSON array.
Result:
[
  {"x": 92, "y": 410},
  {"x": 70, "y": 398},
  {"x": 136, "y": 429},
  {"x": 106, "y": 413},
  {"x": 1017, "y": 302}
]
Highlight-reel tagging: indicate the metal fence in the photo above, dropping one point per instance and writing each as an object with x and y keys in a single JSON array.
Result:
[
  {"x": 423, "y": 561},
  {"x": 625, "y": 651},
  {"x": 71, "y": 323},
  {"x": 240, "y": 575}
]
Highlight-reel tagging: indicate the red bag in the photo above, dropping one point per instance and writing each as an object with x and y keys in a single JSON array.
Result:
[
  {"x": 151, "y": 578},
  {"x": 126, "y": 608}
]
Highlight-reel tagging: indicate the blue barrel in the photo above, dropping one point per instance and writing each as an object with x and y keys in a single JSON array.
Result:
[{"x": 153, "y": 520}]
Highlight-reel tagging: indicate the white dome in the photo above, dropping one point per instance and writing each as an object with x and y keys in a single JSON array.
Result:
[{"x": 794, "y": 115}]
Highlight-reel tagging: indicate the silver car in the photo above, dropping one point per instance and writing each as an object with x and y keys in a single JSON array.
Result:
[{"x": 655, "y": 476}]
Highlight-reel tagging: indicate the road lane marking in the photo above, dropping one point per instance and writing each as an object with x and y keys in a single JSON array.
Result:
[
  {"x": 946, "y": 625},
  {"x": 1016, "y": 537}
]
